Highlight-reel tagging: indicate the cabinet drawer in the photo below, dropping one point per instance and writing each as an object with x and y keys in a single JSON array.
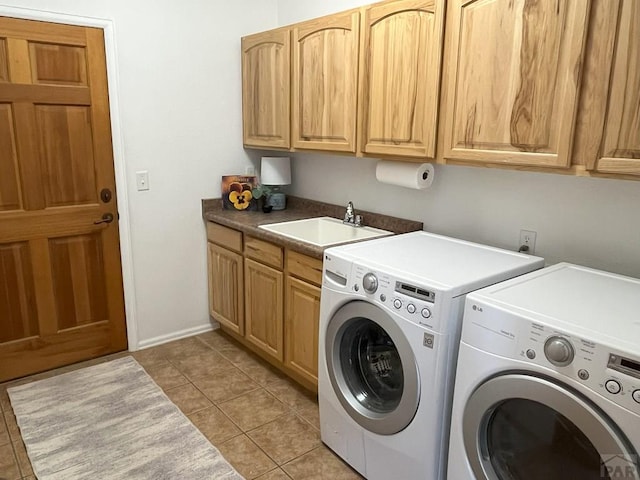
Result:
[
  {"x": 264, "y": 252},
  {"x": 304, "y": 267},
  {"x": 227, "y": 237}
]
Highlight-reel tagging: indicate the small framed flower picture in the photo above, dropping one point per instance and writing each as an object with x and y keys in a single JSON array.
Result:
[{"x": 236, "y": 192}]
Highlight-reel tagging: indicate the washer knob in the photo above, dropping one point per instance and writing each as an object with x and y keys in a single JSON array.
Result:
[
  {"x": 636, "y": 395},
  {"x": 559, "y": 351},
  {"x": 411, "y": 308},
  {"x": 397, "y": 303},
  {"x": 370, "y": 282},
  {"x": 426, "y": 313}
]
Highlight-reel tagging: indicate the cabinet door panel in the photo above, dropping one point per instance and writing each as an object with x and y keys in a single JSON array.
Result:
[
  {"x": 264, "y": 308},
  {"x": 620, "y": 152},
  {"x": 226, "y": 301},
  {"x": 266, "y": 89},
  {"x": 401, "y": 56},
  {"x": 301, "y": 326},
  {"x": 513, "y": 80},
  {"x": 325, "y": 77}
]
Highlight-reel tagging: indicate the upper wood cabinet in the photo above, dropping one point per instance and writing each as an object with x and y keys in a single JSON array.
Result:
[
  {"x": 512, "y": 80},
  {"x": 620, "y": 143},
  {"x": 324, "y": 83},
  {"x": 400, "y": 77},
  {"x": 266, "y": 59}
]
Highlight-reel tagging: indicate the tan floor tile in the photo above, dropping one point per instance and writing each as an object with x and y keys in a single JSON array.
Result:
[
  {"x": 4, "y": 433},
  {"x": 23, "y": 459},
  {"x": 286, "y": 438},
  {"x": 216, "y": 339},
  {"x": 149, "y": 356},
  {"x": 201, "y": 364},
  {"x": 185, "y": 347},
  {"x": 188, "y": 398},
  {"x": 8, "y": 464},
  {"x": 275, "y": 474},
  {"x": 5, "y": 404},
  {"x": 259, "y": 370},
  {"x": 246, "y": 457},
  {"x": 311, "y": 414},
  {"x": 166, "y": 375},
  {"x": 234, "y": 353},
  {"x": 292, "y": 394},
  {"x": 320, "y": 464},
  {"x": 253, "y": 409},
  {"x": 224, "y": 385},
  {"x": 214, "y": 425},
  {"x": 12, "y": 426}
]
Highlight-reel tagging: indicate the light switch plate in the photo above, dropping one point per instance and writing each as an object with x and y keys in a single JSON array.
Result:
[{"x": 142, "y": 180}]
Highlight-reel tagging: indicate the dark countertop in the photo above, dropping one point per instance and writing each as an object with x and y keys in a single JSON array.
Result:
[{"x": 297, "y": 209}]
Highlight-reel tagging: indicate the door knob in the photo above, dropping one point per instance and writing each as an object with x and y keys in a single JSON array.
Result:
[{"x": 106, "y": 218}]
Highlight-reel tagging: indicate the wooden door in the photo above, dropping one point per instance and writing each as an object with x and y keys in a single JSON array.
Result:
[
  {"x": 61, "y": 298},
  {"x": 301, "y": 328},
  {"x": 400, "y": 77},
  {"x": 513, "y": 73},
  {"x": 325, "y": 82},
  {"x": 264, "y": 308},
  {"x": 266, "y": 89},
  {"x": 226, "y": 287},
  {"x": 620, "y": 149}
]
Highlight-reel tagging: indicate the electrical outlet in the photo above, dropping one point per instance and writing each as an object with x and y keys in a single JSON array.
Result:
[
  {"x": 528, "y": 239},
  {"x": 250, "y": 170}
]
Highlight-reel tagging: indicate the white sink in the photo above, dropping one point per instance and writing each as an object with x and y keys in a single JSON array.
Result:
[{"x": 323, "y": 231}]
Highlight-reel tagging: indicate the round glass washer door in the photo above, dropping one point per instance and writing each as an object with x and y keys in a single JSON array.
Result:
[
  {"x": 372, "y": 368},
  {"x": 522, "y": 427}
]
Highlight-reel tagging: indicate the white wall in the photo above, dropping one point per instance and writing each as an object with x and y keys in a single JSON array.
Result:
[
  {"x": 593, "y": 222},
  {"x": 178, "y": 65}
]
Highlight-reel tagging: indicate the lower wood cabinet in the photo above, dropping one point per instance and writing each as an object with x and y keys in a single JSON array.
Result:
[
  {"x": 268, "y": 298},
  {"x": 301, "y": 327},
  {"x": 264, "y": 311},
  {"x": 226, "y": 287}
]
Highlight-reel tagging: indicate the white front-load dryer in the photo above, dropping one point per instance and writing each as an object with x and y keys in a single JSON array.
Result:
[
  {"x": 548, "y": 379},
  {"x": 390, "y": 315}
]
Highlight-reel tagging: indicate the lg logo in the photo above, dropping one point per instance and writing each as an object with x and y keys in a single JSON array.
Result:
[{"x": 476, "y": 308}]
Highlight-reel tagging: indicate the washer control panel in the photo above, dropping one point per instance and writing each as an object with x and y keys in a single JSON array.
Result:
[{"x": 416, "y": 303}]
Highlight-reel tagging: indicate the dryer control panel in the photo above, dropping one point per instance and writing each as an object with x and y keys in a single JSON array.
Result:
[{"x": 611, "y": 373}]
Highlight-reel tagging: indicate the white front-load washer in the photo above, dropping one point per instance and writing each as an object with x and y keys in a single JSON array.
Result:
[
  {"x": 390, "y": 315},
  {"x": 548, "y": 379}
]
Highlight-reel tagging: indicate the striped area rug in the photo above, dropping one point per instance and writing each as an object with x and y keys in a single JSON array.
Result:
[{"x": 111, "y": 421}]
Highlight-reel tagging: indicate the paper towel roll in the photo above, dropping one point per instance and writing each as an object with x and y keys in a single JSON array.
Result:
[{"x": 404, "y": 174}]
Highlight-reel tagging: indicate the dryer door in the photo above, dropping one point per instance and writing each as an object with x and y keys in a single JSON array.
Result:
[
  {"x": 519, "y": 426},
  {"x": 372, "y": 368}
]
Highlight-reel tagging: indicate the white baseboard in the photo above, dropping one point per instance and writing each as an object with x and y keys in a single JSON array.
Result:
[{"x": 170, "y": 337}]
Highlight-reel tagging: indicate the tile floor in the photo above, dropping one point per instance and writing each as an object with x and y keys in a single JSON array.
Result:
[{"x": 264, "y": 424}]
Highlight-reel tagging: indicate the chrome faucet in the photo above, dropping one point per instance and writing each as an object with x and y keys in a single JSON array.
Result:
[{"x": 350, "y": 218}]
